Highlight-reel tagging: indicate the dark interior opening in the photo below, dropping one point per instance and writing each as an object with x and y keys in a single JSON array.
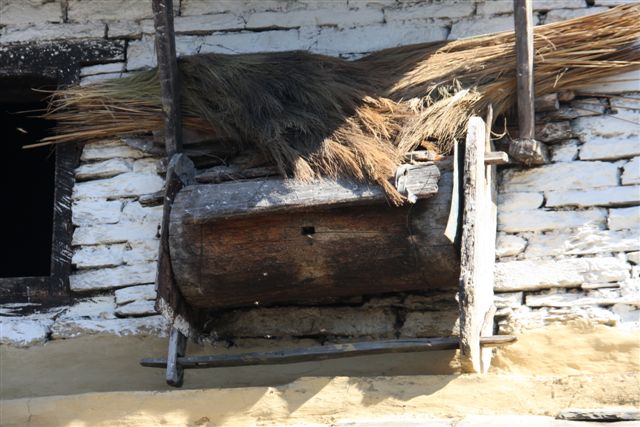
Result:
[{"x": 27, "y": 181}]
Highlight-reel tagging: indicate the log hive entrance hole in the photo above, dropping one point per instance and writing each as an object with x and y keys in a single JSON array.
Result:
[{"x": 27, "y": 180}]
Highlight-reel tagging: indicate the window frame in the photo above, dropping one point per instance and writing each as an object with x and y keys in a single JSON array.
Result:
[{"x": 59, "y": 61}]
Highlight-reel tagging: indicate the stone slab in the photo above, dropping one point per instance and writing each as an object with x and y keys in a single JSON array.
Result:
[
  {"x": 561, "y": 176},
  {"x": 91, "y": 70},
  {"x": 104, "y": 169},
  {"x": 607, "y": 196},
  {"x": 609, "y": 414},
  {"x": 124, "y": 185},
  {"x": 557, "y": 15},
  {"x": 634, "y": 257},
  {"x": 600, "y": 148},
  {"x": 508, "y": 299},
  {"x": 450, "y": 9},
  {"x": 508, "y": 245},
  {"x": 530, "y": 275},
  {"x": 624, "y": 218},
  {"x": 49, "y": 31},
  {"x": 540, "y": 220},
  {"x": 109, "y": 149},
  {"x": 620, "y": 83},
  {"x": 135, "y": 293},
  {"x": 97, "y": 308},
  {"x": 582, "y": 242},
  {"x": 21, "y": 12},
  {"x": 122, "y": 232},
  {"x": 576, "y": 299},
  {"x": 631, "y": 172},
  {"x": 566, "y": 151},
  {"x": 91, "y": 211},
  {"x": 321, "y": 17},
  {"x": 519, "y": 201},
  {"x": 478, "y": 26},
  {"x": 110, "y": 278},
  {"x": 98, "y": 256},
  {"x": 136, "y": 308}
]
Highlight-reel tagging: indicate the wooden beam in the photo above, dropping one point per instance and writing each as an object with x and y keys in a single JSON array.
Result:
[
  {"x": 210, "y": 202},
  {"x": 168, "y": 72},
  {"x": 326, "y": 352},
  {"x": 496, "y": 158}
]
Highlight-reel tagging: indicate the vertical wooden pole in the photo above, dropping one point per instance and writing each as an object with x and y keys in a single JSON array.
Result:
[
  {"x": 168, "y": 295},
  {"x": 526, "y": 149},
  {"x": 523, "y": 15},
  {"x": 168, "y": 72}
]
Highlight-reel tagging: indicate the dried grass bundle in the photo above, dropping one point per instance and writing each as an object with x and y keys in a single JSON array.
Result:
[{"x": 316, "y": 115}]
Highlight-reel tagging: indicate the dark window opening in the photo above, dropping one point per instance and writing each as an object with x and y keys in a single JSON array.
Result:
[{"x": 27, "y": 181}]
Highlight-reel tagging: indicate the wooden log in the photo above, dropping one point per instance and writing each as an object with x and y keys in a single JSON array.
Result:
[
  {"x": 207, "y": 203},
  {"x": 477, "y": 256},
  {"x": 326, "y": 352},
  {"x": 303, "y": 247},
  {"x": 548, "y": 102}
]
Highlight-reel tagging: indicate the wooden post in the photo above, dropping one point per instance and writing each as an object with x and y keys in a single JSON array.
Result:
[
  {"x": 525, "y": 149},
  {"x": 169, "y": 297},
  {"x": 168, "y": 71}
]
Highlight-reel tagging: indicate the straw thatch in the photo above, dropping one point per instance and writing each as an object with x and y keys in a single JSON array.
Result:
[{"x": 316, "y": 115}]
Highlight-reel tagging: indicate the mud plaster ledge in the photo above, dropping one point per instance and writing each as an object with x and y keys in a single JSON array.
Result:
[{"x": 548, "y": 370}]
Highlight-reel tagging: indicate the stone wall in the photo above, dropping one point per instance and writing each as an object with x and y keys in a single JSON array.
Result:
[
  {"x": 569, "y": 231},
  {"x": 566, "y": 247}
]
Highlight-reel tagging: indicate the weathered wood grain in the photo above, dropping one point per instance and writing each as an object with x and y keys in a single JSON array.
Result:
[
  {"x": 478, "y": 250},
  {"x": 523, "y": 16},
  {"x": 206, "y": 203},
  {"x": 311, "y": 252}
]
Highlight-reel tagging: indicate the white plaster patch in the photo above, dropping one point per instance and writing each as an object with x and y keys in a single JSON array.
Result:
[
  {"x": 102, "y": 307},
  {"x": 23, "y": 332},
  {"x": 475, "y": 27}
]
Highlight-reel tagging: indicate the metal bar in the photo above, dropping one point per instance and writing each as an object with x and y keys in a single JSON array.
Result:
[
  {"x": 523, "y": 16},
  {"x": 168, "y": 72},
  {"x": 334, "y": 351}
]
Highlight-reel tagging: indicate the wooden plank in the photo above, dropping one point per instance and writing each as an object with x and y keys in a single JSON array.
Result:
[
  {"x": 223, "y": 173},
  {"x": 168, "y": 73},
  {"x": 177, "y": 347},
  {"x": 326, "y": 352},
  {"x": 523, "y": 16},
  {"x": 288, "y": 257},
  {"x": 211, "y": 202},
  {"x": 496, "y": 158},
  {"x": 477, "y": 251}
]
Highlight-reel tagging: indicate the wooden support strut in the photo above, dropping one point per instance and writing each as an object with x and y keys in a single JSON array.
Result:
[{"x": 525, "y": 149}]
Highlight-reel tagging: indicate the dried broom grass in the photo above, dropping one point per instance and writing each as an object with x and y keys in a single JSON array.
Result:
[{"x": 315, "y": 115}]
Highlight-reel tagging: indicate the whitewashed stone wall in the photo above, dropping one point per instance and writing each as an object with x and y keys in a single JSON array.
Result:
[
  {"x": 548, "y": 248},
  {"x": 569, "y": 232}
]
